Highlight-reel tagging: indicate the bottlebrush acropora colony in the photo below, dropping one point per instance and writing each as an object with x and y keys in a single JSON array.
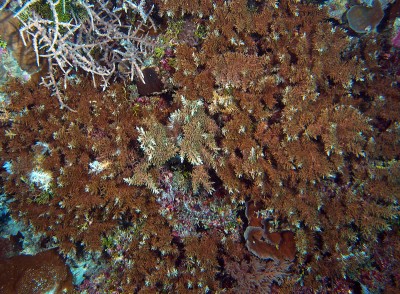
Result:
[{"x": 270, "y": 160}]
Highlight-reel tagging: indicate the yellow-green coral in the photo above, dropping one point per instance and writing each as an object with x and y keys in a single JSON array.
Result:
[{"x": 3, "y": 43}]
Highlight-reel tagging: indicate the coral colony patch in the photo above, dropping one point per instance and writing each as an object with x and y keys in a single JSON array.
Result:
[{"x": 174, "y": 146}]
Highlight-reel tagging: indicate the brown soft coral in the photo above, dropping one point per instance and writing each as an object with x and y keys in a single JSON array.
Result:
[{"x": 85, "y": 154}]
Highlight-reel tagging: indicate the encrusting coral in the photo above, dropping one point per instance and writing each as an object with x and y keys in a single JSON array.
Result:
[
  {"x": 45, "y": 271},
  {"x": 277, "y": 246},
  {"x": 274, "y": 108}
]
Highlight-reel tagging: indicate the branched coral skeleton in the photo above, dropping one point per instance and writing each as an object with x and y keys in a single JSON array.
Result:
[{"x": 70, "y": 46}]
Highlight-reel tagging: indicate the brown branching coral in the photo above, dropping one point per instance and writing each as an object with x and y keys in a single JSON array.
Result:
[
  {"x": 190, "y": 135},
  {"x": 71, "y": 164},
  {"x": 201, "y": 7},
  {"x": 67, "y": 172},
  {"x": 257, "y": 276},
  {"x": 274, "y": 106},
  {"x": 285, "y": 89}
]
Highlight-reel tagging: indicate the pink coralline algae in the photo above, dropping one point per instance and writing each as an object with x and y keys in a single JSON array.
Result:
[
  {"x": 188, "y": 212},
  {"x": 396, "y": 40}
]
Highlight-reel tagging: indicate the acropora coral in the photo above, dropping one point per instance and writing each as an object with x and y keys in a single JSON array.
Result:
[{"x": 269, "y": 161}]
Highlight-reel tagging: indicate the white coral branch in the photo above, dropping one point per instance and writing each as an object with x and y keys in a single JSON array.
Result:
[{"x": 70, "y": 45}]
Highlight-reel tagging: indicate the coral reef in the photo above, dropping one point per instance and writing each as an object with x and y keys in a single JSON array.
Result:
[{"x": 268, "y": 162}]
